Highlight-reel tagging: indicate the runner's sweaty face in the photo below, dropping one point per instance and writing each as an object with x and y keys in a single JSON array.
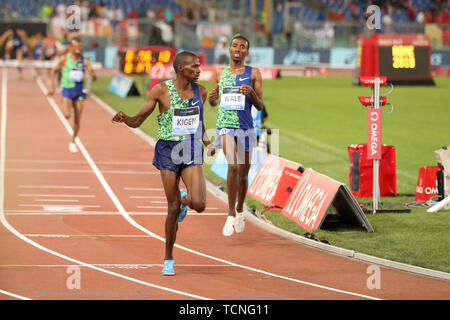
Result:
[
  {"x": 191, "y": 70},
  {"x": 238, "y": 49},
  {"x": 77, "y": 48}
]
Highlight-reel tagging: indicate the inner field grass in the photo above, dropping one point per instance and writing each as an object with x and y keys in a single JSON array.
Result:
[{"x": 317, "y": 119}]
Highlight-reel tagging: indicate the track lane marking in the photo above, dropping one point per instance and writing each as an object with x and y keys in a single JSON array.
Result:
[{"x": 13, "y": 295}]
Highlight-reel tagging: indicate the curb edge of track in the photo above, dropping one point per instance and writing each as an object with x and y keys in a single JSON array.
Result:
[{"x": 297, "y": 238}]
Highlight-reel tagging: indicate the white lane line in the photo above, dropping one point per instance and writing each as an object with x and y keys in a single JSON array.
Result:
[
  {"x": 56, "y": 195},
  {"x": 79, "y": 171},
  {"x": 52, "y": 187},
  {"x": 76, "y": 211},
  {"x": 14, "y": 295},
  {"x": 147, "y": 197},
  {"x": 79, "y": 162},
  {"x": 47, "y": 235},
  {"x": 56, "y": 200},
  {"x": 49, "y": 207},
  {"x": 142, "y": 189},
  {"x": 37, "y": 245},
  {"x": 2, "y": 159},
  {"x": 140, "y": 227},
  {"x": 112, "y": 265}
]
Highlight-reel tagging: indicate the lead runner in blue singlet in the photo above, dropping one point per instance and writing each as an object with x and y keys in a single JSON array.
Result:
[
  {"x": 235, "y": 91},
  {"x": 179, "y": 150}
]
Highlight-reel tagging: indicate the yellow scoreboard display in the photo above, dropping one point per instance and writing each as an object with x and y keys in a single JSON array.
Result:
[
  {"x": 402, "y": 58},
  {"x": 142, "y": 59}
]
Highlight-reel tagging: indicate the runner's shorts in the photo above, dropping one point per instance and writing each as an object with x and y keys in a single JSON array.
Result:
[
  {"x": 77, "y": 93},
  {"x": 245, "y": 138},
  {"x": 177, "y": 155}
]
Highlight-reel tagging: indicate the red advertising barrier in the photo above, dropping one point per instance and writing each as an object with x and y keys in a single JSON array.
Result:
[
  {"x": 361, "y": 171},
  {"x": 374, "y": 133},
  {"x": 313, "y": 197},
  {"x": 267, "y": 178},
  {"x": 310, "y": 199},
  {"x": 427, "y": 185},
  {"x": 288, "y": 180}
]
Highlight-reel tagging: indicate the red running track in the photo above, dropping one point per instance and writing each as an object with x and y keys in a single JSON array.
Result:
[{"x": 96, "y": 218}]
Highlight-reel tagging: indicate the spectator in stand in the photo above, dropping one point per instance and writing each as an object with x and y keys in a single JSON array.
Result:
[
  {"x": 60, "y": 9},
  {"x": 92, "y": 12},
  {"x": 108, "y": 13},
  {"x": 160, "y": 13},
  {"x": 119, "y": 14},
  {"x": 221, "y": 51},
  {"x": 428, "y": 16},
  {"x": 46, "y": 11},
  {"x": 142, "y": 11},
  {"x": 84, "y": 11},
  {"x": 151, "y": 14},
  {"x": 420, "y": 17},
  {"x": 446, "y": 16},
  {"x": 49, "y": 47},
  {"x": 178, "y": 15},
  {"x": 99, "y": 10},
  {"x": 168, "y": 15},
  {"x": 133, "y": 14}
]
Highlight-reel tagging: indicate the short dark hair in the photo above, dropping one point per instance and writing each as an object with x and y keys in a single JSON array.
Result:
[
  {"x": 240, "y": 36},
  {"x": 180, "y": 59}
]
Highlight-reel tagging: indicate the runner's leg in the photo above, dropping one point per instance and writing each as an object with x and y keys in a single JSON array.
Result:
[
  {"x": 229, "y": 149},
  {"x": 244, "y": 168},
  {"x": 170, "y": 182},
  {"x": 194, "y": 180},
  {"x": 67, "y": 107},
  {"x": 78, "y": 110}
]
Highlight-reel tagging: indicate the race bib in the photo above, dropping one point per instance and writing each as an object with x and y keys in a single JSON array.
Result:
[
  {"x": 76, "y": 75},
  {"x": 185, "y": 121},
  {"x": 232, "y": 99}
]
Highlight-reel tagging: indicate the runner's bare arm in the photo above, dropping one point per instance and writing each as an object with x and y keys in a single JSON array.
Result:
[
  {"x": 53, "y": 72},
  {"x": 5, "y": 36},
  {"x": 90, "y": 69},
  {"x": 145, "y": 111},
  {"x": 205, "y": 138},
  {"x": 255, "y": 92},
  {"x": 214, "y": 93}
]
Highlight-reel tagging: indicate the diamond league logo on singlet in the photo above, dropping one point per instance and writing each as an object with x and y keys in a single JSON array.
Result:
[{"x": 185, "y": 121}]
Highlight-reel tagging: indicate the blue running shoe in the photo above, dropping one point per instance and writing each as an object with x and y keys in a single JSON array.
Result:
[
  {"x": 183, "y": 208},
  {"x": 168, "y": 269}
]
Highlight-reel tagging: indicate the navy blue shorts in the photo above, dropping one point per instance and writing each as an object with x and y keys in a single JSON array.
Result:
[
  {"x": 177, "y": 155},
  {"x": 245, "y": 138},
  {"x": 74, "y": 93}
]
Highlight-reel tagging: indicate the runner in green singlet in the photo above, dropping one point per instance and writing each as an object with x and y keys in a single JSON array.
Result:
[
  {"x": 73, "y": 66},
  {"x": 235, "y": 90},
  {"x": 179, "y": 150}
]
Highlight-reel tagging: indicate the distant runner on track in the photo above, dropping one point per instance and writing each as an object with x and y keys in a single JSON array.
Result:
[
  {"x": 179, "y": 150},
  {"x": 73, "y": 66}
]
